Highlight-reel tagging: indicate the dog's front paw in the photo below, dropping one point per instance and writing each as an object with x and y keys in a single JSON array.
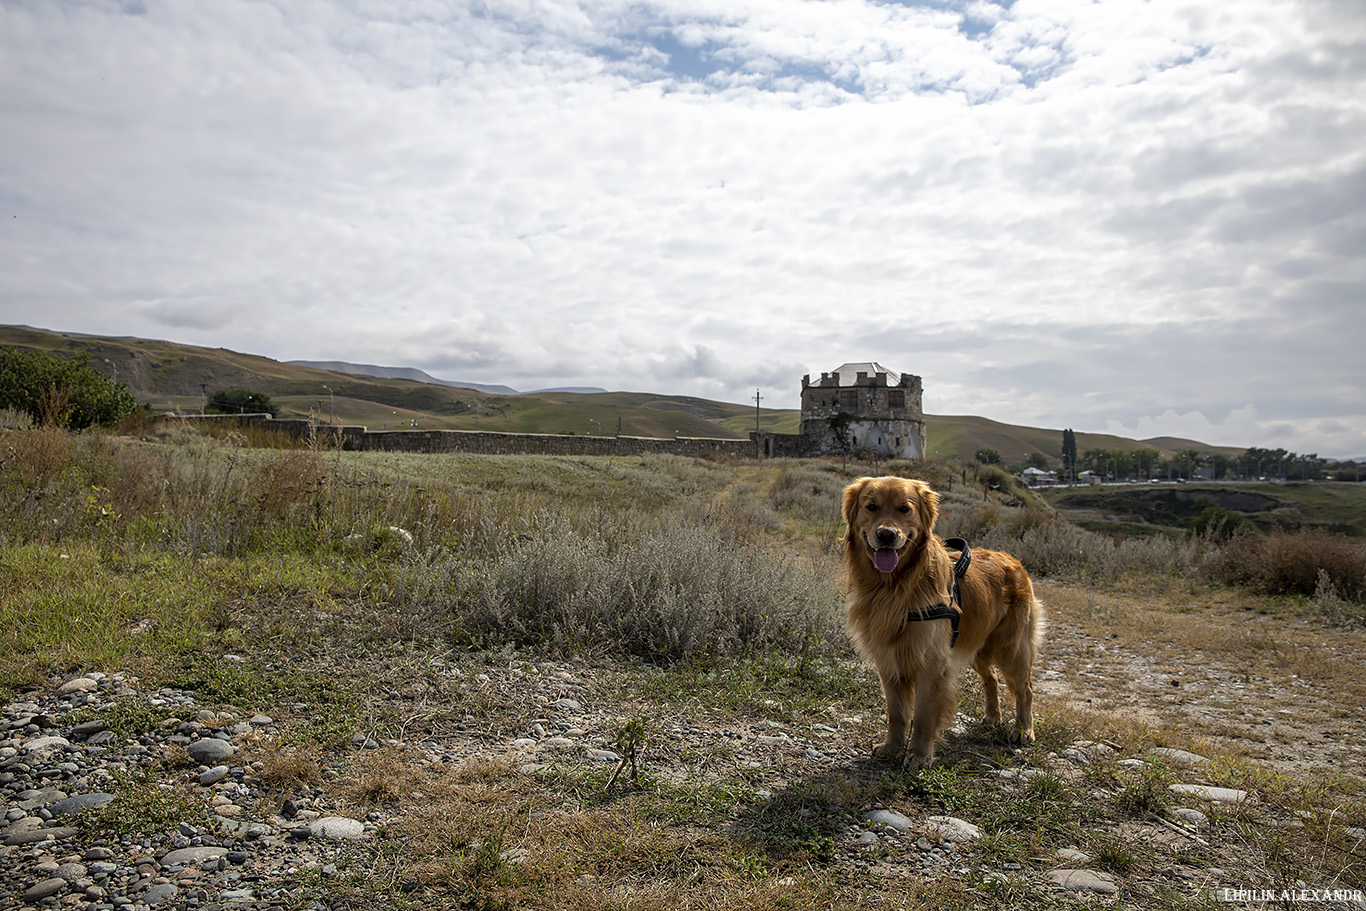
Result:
[
  {"x": 888, "y": 750},
  {"x": 916, "y": 762},
  {"x": 1021, "y": 736}
]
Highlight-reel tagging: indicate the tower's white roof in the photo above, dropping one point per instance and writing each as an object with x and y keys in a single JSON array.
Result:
[{"x": 848, "y": 373}]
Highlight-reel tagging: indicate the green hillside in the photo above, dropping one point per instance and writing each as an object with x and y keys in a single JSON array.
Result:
[
  {"x": 168, "y": 376},
  {"x": 1176, "y": 508},
  {"x": 961, "y": 436}
]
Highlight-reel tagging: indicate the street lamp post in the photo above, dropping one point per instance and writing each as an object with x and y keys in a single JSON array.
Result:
[
  {"x": 591, "y": 421},
  {"x": 331, "y": 406},
  {"x": 757, "y": 398},
  {"x": 116, "y": 368}
]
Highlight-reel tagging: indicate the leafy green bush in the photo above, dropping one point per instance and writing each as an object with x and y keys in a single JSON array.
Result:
[
  {"x": 240, "y": 401},
  {"x": 67, "y": 393}
]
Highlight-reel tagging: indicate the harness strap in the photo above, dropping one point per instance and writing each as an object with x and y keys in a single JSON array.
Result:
[{"x": 948, "y": 611}]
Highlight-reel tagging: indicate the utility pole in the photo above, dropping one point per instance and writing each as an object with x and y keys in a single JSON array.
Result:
[
  {"x": 203, "y": 397},
  {"x": 757, "y": 399}
]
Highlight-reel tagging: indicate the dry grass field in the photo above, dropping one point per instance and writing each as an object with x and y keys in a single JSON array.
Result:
[{"x": 573, "y": 682}]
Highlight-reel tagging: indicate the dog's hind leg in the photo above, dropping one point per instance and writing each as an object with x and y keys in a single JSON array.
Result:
[
  {"x": 985, "y": 665},
  {"x": 1021, "y": 682}
]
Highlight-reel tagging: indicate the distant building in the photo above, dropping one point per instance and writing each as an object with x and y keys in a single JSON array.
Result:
[
  {"x": 857, "y": 409},
  {"x": 1036, "y": 476}
]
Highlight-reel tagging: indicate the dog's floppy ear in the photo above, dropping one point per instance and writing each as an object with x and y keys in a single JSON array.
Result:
[
  {"x": 928, "y": 504},
  {"x": 851, "y": 498}
]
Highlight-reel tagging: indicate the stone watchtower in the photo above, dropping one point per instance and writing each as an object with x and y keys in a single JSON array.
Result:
[{"x": 864, "y": 408}]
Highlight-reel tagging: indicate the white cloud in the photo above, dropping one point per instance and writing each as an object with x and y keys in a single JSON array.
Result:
[{"x": 1131, "y": 214}]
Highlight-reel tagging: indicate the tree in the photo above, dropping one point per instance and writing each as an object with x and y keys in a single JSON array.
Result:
[
  {"x": 1259, "y": 463},
  {"x": 1037, "y": 460},
  {"x": 241, "y": 401},
  {"x": 988, "y": 456},
  {"x": 66, "y": 393},
  {"x": 1145, "y": 462},
  {"x": 1096, "y": 460},
  {"x": 1122, "y": 463},
  {"x": 1187, "y": 462},
  {"x": 1069, "y": 452}
]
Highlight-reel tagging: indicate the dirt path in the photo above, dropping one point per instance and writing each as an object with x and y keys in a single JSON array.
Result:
[{"x": 1282, "y": 691}]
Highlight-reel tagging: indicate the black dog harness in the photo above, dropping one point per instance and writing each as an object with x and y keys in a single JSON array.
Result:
[{"x": 948, "y": 611}]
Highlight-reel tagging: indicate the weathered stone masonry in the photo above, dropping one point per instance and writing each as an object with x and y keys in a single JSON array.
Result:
[
  {"x": 356, "y": 437},
  {"x": 862, "y": 409}
]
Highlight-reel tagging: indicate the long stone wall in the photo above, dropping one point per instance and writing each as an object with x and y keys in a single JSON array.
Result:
[{"x": 356, "y": 437}]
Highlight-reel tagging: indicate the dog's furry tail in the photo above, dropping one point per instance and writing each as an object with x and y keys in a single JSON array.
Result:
[{"x": 1038, "y": 624}]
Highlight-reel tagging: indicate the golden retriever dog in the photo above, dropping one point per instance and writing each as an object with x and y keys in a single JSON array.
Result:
[{"x": 898, "y": 572}]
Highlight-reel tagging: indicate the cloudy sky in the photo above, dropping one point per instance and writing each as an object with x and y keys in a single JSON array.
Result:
[{"x": 1146, "y": 217}]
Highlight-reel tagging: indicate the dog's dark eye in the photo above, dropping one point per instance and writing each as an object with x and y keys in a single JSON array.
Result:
[
  {"x": 871, "y": 507},
  {"x": 904, "y": 508}
]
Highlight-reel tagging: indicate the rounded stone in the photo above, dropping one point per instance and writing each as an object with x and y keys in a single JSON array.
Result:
[
  {"x": 336, "y": 827},
  {"x": 1180, "y": 757},
  {"x": 78, "y": 685},
  {"x": 73, "y": 805},
  {"x": 951, "y": 828},
  {"x": 213, "y": 775},
  {"x": 1084, "y": 881},
  {"x": 888, "y": 818},
  {"x": 1210, "y": 793},
  {"x": 45, "y": 889},
  {"x": 196, "y": 855},
  {"x": 210, "y": 751},
  {"x": 47, "y": 744},
  {"x": 160, "y": 893}
]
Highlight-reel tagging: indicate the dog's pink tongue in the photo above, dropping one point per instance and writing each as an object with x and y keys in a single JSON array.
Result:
[{"x": 884, "y": 558}]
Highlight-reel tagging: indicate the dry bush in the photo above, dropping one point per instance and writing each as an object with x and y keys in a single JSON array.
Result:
[
  {"x": 678, "y": 592},
  {"x": 1059, "y": 549},
  {"x": 288, "y": 482},
  {"x": 384, "y": 776},
  {"x": 15, "y": 419},
  {"x": 1030, "y": 517},
  {"x": 36, "y": 454},
  {"x": 42, "y": 489},
  {"x": 806, "y": 492},
  {"x": 283, "y": 767},
  {"x": 1289, "y": 563}
]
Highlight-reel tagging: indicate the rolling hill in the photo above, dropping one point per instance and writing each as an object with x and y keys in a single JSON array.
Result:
[{"x": 168, "y": 376}]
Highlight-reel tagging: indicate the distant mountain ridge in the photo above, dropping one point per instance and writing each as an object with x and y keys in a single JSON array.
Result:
[
  {"x": 402, "y": 373},
  {"x": 422, "y": 376}
]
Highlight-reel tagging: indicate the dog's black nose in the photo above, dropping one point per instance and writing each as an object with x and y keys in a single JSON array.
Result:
[{"x": 886, "y": 536}]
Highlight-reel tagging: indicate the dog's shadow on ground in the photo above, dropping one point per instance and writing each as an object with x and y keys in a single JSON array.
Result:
[{"x": 812, "y": 815}]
